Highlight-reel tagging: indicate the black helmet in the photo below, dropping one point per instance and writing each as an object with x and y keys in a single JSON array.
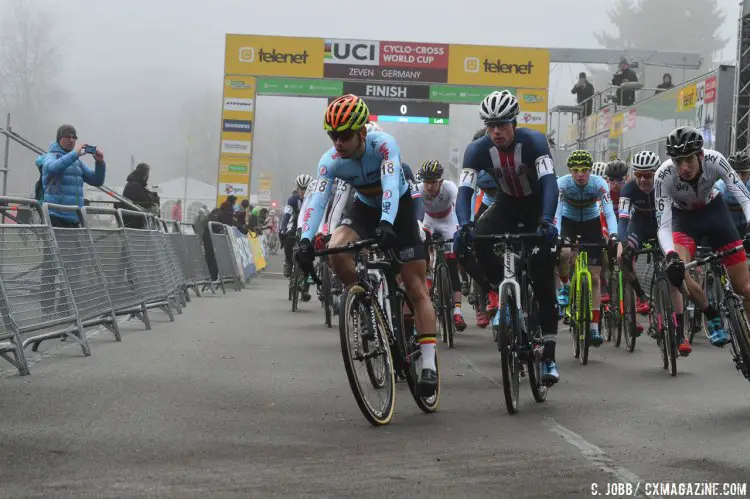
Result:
[
  {"x": 684, "y": 141},
  {"x": 740, "y": 161},
  {"x": 431, "y": 170},
  {"x": 616, "y": 169},
  {"x": 480, "y": 133}
]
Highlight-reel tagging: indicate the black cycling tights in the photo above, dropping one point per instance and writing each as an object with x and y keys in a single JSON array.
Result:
[
  {"x": 452, "y": 264},
  {"x": 289, "y": 248}
]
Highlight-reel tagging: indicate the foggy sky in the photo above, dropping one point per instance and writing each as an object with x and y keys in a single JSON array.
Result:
[{"x": 130, "y": 67}]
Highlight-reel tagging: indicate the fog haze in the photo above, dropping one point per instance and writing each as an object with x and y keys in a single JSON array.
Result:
[{"x": 139, "y": 77}]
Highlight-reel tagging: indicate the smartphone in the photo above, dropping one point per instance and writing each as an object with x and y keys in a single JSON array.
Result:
[{"x": 89, "y": 149}]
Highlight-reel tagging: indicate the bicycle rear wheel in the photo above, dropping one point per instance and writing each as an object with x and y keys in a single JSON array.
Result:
[
  {"x": 507, "y": 341},
  {"x": 573, "y": 323},
  {"x": 668, "y": 334},
  {"x": 325, "y": 279},
  {"x": 295, "y": 285},
  {"x": 615, "y": 317},
  {"x": 630, "y": 318},
  {"x": 446, "y": 303},
  {"x": 366, "y": 356},
  {"x": 538, "y": 388},
  {"x": 409, "y": 350},
  {"x": 740, "y": 335},
  {"x": 584, "y": 322}
]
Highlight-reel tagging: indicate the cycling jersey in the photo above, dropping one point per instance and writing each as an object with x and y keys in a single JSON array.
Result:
[
  {"x": 415, "y": 194},
  {"x": 342, "y": 198},
  {"x": 672, "y": 193},
  {"x": 377, "y": 178},
  {"x": 636, "y": 208},
  {"x": 580, "y": 203},
  {"x": 735, "y": 208},
  {"x": 291, "y": 212},
  {"x": 523, "y": 171},
  {"x": 440, "y": 211}
]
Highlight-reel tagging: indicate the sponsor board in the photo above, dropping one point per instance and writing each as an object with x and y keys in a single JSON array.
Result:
[
  {"x": 273, "y": 56},
  {"x": 241, "y": 126},
  {"x": 532, "y": 118},
  {"x": 234, "y": 166},
  {"x": 287, "y": 86},
  {"x": 353, "y": 72},
  {"x": 351, "y": 52},
  {"x": 239, "y": 104},
  {"x": 227, "y": 189},
  {"x": 414, "y": 55},
  {"x": 498, "y": 66},
  {"x": 264, "y": 195},
  {"x": 243, "y": 147},
  {"x": 387, "y": 90}
]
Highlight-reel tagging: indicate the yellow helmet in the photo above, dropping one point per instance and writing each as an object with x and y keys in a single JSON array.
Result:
[
  {"x": 580, "y": 158},
  {"x": 431, "y": 170}
]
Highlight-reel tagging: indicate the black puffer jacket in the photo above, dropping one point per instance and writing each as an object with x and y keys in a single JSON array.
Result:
[{"x": 135, "y": 190}]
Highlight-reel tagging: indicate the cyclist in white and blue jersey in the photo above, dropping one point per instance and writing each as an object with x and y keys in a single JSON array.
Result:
[
  {"x": 578, "y": 215},
  {"x": 740, "y": 162},
  {"x": 383, "y": 209}
]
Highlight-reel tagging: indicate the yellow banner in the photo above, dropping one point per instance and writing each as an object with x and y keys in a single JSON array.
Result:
[
  {"x": 498, "y": 66},
  {"x": 237, "y": 122},
  {"x": 234, "y": 165},
  {"x": 274, "y": 56},
  {"x": 264, "y": 184},
  {"x": 687, "y": 97},
  {"x": 257, "y": 250},
  {"x": 617, "y": 125}
]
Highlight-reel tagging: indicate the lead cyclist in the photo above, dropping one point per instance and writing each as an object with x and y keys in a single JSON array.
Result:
[
  {"x": 687, "y": 212},
  {"x": 383, "y": 208}
]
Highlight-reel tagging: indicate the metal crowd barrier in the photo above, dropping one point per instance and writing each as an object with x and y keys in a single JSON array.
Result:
[
  {"x": 197, "y": 258},
  {"x": 182, "y": 258},
  {"x": 108, "y": 235},
  {"x": 224, "y": 254},
  {"x": 83, "y": 270},
  {"x": 151, "y": 281}
]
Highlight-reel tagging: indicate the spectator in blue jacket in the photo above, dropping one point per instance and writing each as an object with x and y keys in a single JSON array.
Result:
[{"x": 63, "y": 175}]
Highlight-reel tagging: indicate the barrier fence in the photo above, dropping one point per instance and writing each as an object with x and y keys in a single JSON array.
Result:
[{"x": 59, "y": 279}]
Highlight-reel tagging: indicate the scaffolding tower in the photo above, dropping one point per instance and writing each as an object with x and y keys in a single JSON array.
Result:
[{"x": 741, "y": 116}]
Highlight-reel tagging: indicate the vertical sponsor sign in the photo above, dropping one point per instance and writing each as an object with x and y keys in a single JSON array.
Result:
[
  {"x": 533, "y": 105},
  {"x": 705, "y": 110},
  {"x": 237, "y": 125}
]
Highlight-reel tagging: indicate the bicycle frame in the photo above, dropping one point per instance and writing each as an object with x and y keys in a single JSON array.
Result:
[{"x": 582, "y": 272}]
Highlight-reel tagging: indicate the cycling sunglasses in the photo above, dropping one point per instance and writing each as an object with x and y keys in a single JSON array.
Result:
[
  {"x": 646, "y": 175},
  {"x": 344, "y": 136},
  {"x": 580, "y": 169},
  {"x": 616, "y": 180}
]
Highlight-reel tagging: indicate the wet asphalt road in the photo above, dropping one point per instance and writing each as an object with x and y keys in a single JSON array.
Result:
[{"x": 239, "y": 397}]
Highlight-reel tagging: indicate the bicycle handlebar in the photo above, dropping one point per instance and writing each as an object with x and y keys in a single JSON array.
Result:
[
  {"x": 350, "y": 247},
  {"x": 584, "y": 245},
  {"x": 713, "y": 257},
  {"x": 509, "y": 237}
]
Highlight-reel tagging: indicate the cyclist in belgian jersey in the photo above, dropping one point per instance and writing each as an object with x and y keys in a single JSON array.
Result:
[
  {"x": 383, "y": 208},
  {"x": 741, "y": 164},
  {"x": 686, "y": 214},
  {"x": 578, "y": 215},
  {"x": 636, "y": 223},
  {"x": 519, "y": 160},
  {"x": 439, "y": 199},
  {"x": 288, "y": 227}
]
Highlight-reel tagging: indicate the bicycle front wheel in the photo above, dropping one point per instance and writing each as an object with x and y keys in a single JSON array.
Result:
[
  {"x": 629, "y": 320},
  {"x": 445, "y": 300},
  {"x": 668, "y": 334},
  {"x": 367, "y": 358},
  {"x": 295, "y": 285},
  {"x": 584, "y": 321},
  {"x": 740, "y": 335},
  {"x": 538, "y": 387},
  {"x": 325, "y": 288},
  {"x": 507, "y": 341}
]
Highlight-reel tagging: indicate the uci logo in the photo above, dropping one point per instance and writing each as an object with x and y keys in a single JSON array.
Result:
[
  {"x": 471, "y": 64},
  {"x": 247, "y": 54},
  {"x": 352, "y": 52}
]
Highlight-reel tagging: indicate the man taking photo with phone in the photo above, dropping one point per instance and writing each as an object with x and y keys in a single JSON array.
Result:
[{"x": 63, "y": 174}]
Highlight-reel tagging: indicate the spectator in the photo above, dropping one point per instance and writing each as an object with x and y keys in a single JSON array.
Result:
[
  {"x": 63, "y": 175},
  {"x": 225, "y": 213},
  {"x": 135, "y": 190},
  {"x": 254, "y": 218},
  {"x": 240, "y": 218},
  {"x": 666, "y": 83},
  {"x": 584, "y": 90},
  {"x": 624, "y": 75},
  {"x": 177, "y": 211},
  {"x": 201, "y": 228}
]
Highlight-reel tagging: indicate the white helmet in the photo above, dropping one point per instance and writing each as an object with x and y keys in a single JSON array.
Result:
[
  {"x": 599, "y": 168},
  {"x": 373, "y": 127},
  {"x": 499, "y": 107},
  {"x": 645, "y": 161},
  {"x": 303, "y": 181}
]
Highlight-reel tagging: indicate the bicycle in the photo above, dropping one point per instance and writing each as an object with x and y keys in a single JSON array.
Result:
[
  {"x": 662, "y": 325},
  {"x": 579, "y": 312},
  {"x": 442, "y": 291},
  {"x": 373, "y": 327},
  {"x": 731, "y": 308},
  {"x": 628, "y": 299},
  {"x": 611, "y": 313},
  {"x": 519, "y": 335}
]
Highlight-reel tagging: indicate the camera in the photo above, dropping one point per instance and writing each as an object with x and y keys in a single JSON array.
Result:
[{"x": 89, "y": 149}]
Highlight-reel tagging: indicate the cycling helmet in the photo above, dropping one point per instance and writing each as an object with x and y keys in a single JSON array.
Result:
[
  {"x": 431, "y": 170},
  {"x": 684, "y": 141},
  {"x": 303, "y": 181},
  {"x": 480, "y": 133},
  {"x": 599, "y": 168},
  {"x": 580, "y": 158},
  {"x": 645, "y": 161},
  {"x": 348, "y": 112},
  {"x": 373, "y": 127},
  {"x": 499, "y": 107},
  {"x": 616, "y": 169},
  {"x": 740, "y": 161}
]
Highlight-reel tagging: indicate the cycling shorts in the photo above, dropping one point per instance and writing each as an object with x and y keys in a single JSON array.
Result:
[
  {"x": 364, "y": 219},
  {"x": 446, "y": 227},
  {"x": 590, "y": 232},
  {"x": 712, "y": 222}
]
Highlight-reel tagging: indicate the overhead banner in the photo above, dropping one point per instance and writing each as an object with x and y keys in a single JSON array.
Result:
[
  {"x": 273, "y": 56},
  {"x": 498, "y": 66}
]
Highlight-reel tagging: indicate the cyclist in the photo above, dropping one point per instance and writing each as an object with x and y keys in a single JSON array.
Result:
[
  {"x": 616, "y": 174},
  {"x": 288, "y": 228},
  {"x": 578, "y": 214},
  {"x": 519, "y": 161},
  {"x": 686, "y": 214},
  {"x": 636, "y": 221},
  {"x": 383, "y": 208},
  {"x": 599, "y": 168},
  {"x": 439, "y": 199},
  {"x": 741, "y": 164}
]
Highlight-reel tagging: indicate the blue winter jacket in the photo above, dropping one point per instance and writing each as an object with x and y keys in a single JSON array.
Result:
[{"x": 63, "y": 175}]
